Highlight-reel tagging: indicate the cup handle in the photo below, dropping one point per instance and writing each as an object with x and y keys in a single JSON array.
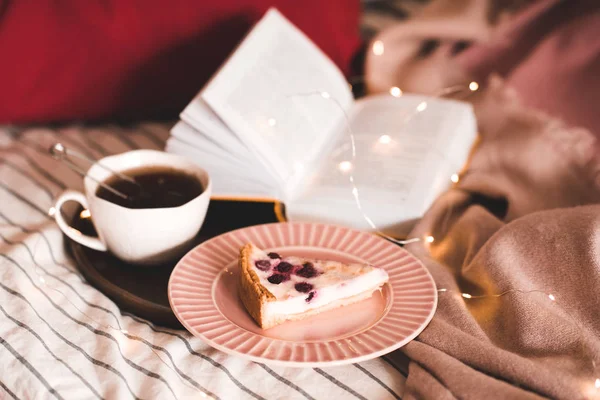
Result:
[{"x": 85, "y": 240}]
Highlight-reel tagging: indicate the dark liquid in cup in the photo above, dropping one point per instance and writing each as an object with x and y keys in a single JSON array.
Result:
[{"x": 155, "y": 187}]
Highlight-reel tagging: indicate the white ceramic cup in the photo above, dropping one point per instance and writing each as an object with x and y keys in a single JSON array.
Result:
[{"x": 140, "y": 236}]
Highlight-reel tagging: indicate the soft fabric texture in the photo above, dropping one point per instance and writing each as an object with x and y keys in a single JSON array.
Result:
[
  {"x": 84, "y": 60},
  {"x": 524, "y": 219},
  {"x": 525, "y": 216},
  {"x": 549, "y": 52}
]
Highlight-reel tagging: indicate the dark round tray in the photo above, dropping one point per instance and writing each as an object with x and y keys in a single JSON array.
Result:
[{"x": 143, "y": 290}]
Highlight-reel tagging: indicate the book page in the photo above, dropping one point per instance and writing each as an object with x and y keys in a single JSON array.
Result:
[
  {"x": 404, "y": 158},
  {"x": 228, "y": 179},
  {"x": 203, "y": 119},
  {"x": 268, "y": 93},
  {"x": 197, "y": 140}
]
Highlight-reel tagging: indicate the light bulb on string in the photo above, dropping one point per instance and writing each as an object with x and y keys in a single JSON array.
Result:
[
  {"x": 84, "y": 214},
  {"x": 378, "y": 48},
  {"x": 345, "y": 166},
  {"x": 385, "y": 139},
  {"x": 395, "y": 91}
]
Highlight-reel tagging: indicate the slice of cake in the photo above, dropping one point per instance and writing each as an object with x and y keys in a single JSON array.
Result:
[{"x": 275, "y": 289}]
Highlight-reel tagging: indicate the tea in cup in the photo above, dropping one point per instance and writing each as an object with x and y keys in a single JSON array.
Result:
[{"x": 148, "y": 208}]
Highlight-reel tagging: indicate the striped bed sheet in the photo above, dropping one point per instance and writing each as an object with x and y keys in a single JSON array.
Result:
[{"x": 61, "y": 338}]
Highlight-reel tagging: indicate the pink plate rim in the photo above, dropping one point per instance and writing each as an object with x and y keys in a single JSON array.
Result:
[{"x": 402, "y": 321}]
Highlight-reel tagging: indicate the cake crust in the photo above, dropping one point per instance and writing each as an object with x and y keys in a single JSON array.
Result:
[{"x": 252, "y": 293}]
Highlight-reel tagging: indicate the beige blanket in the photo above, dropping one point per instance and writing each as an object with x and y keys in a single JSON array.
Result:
[
  {"x": 523, "y": 220},
  {"x": 523, "y": 344}
]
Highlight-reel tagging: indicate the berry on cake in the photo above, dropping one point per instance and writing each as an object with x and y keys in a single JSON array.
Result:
[{"x": 277, "y": 289}]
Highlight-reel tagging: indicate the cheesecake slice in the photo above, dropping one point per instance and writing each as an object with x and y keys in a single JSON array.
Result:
[{"x": 276, "y": 289}]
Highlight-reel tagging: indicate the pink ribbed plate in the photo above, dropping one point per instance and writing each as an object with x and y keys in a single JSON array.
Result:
[{"x": 203, "y": 296}]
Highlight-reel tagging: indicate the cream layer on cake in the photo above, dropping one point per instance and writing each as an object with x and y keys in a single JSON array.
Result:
[{"x": 303, "y": 288}]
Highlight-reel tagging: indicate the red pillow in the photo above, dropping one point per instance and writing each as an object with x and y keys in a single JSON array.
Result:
[{"x": 112, "y": 59}]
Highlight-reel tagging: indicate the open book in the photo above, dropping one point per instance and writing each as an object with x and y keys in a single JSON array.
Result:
[{"x": 279, "y": 121}]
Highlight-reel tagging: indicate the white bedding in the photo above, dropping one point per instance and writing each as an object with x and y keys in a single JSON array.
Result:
[{"x": 61, "y": 338}]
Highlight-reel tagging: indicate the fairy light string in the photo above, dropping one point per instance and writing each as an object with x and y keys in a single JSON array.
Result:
[
  {"x": 347, "y": 166},
  {"x": 552, "y": 298},
  {"x": 428, "y": 239},
  {"x": 467, "y": 89}
]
